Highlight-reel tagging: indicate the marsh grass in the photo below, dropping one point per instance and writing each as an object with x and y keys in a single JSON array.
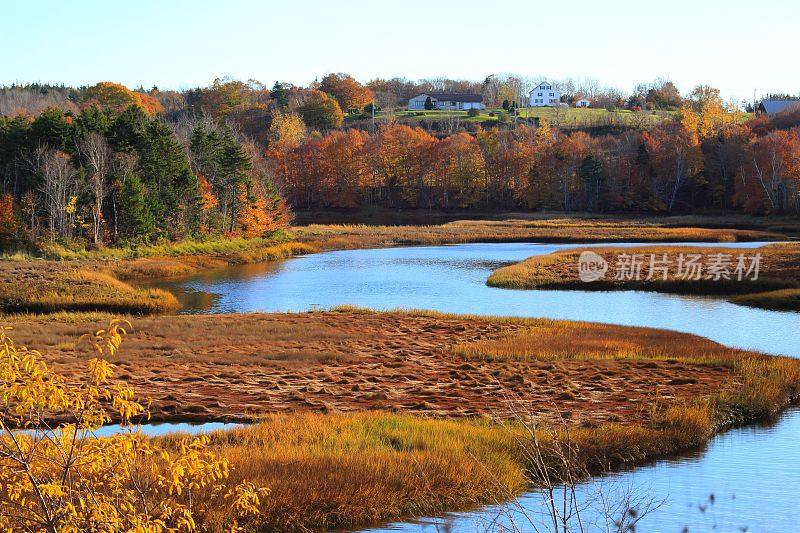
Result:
[
  {"x": 352, "y": 470},
  {"x": 343, "y": 470},
  {"x": 355, "y": 469},
  {"x": 188, "y": 247},
  {"x": 779, "y": 271},
  {"x": 82, "y": 290},
  {"x": 348, "y": 470},
  {"x": 553, "y": 229},
  {"x": 96, "y": 281},
  {"x": 780, "y": 300},
  {"x": 552, "y": 340}
]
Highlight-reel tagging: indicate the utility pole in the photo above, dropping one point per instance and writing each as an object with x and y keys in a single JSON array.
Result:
[{"x": 373, "y": 115}]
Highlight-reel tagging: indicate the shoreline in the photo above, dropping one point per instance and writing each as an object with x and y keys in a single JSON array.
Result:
[
  {"x": 105, "y": 276},
  {"x": 776, "y": 288},
  {"x": 411, "y": 390},
  {"x": 420, "y": 382}
]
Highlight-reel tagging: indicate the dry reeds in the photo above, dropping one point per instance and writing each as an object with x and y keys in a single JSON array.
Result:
[
  {"x": 776, "y": 286},
  {"x": 82, "y": 290}
]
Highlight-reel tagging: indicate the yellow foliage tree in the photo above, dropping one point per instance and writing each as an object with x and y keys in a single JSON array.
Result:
[
  {"x": 117, "y": 97},
  {"x": 57, "y": 475},
  {"x": 286, "y": 131}
]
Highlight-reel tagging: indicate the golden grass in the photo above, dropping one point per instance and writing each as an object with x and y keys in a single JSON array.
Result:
[
  {"x": 551, "y": 340},
  {"x": 561, "y": 229},
  {"x": 339, "y": 471},
  {"x": 190, "y": 247},
  {"x": 780, "y": 300},
  {"x": 780, "y": 269},
  {"x": 349, "y": 470},
  {"x": 41, "y": 286},
  {"x": 354, "y": 469},
  {"x": 82, "y": 290}
]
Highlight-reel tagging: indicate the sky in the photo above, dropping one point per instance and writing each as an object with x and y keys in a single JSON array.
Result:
[{"x": 733, "y": 45}]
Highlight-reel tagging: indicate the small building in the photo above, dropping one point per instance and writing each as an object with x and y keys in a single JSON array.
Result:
[
  {"x": 544, "y": 95},
  {"x": 583, "y": 102},
  {"x": 770, "y": 107},
  {"x": 449, "y": 101}
]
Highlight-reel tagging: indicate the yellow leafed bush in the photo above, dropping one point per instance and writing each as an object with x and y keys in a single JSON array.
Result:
[{"x": 56, "y": 474}]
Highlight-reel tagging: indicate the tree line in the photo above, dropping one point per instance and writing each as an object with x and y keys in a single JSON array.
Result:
[
  {"x": 707, "y": 158},
  {"x": 105, "y": 164},
  {"x": 121, "y": 173}
]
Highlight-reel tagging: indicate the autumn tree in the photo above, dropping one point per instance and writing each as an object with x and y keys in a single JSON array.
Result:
[
  {"x": 116, "y": 97},
  {"x": 349, "y": 94},
  {"x": 8, "y": 220},
  {"x": 400, "y": 159},
  {"x": 59, "y": 187},
  {"x": 771, "y": 182},
  {"x": 286, "y": 130},
  {"x": 320, "y": 111},
  {"x": 222, "y": 97},
  {"x": 97, "y": 154},
  {"x": 664, "y": 95},
  {"x": 674, "y": 159},
  {"x": 459, "y": 176},
  {"x": 64, "y": 477}
]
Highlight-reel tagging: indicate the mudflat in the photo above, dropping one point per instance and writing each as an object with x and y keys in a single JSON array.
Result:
[{"x": 241, "y": 366}]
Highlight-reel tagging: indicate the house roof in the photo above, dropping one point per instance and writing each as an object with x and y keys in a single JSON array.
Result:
[
  {"x": 543, "y": 82},
  {"x": 454, "y": 97},
  {"x": 776, "y": 106}
]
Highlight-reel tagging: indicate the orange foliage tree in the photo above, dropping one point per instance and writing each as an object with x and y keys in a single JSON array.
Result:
[
  {"x": 770, "y": 182},
  {"x": 351, "y": 95},
  {"x": 117, "y": 97},
  {"x": 8, "y": 220}
]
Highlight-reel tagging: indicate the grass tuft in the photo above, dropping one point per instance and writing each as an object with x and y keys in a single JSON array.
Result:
[{"x": 82, "y": 290}]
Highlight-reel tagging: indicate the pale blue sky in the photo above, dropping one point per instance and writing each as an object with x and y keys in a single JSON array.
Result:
[{"x": 735, "y": 45}]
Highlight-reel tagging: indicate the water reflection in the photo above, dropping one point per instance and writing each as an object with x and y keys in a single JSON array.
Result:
[
  {"x": 452, "y": 279},
  {"x": 752, "y": 472}
]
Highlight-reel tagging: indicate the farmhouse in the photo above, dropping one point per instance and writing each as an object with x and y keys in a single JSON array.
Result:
[
  {"x": 447, "y": 101},
  {"x": 770, "y": 107},
  {"x": 544, "y": 94}
]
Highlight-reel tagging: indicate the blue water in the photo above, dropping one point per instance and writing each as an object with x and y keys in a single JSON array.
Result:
[
  {"x": 158, "y": 429},
  {"x": 752, "y": 472},
  {"x": 453, "y": 279}
]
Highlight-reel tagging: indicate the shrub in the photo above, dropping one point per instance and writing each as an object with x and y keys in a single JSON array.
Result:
[
  {"x": 473, "y": 112},
  {"x": 68, "y": 479}
]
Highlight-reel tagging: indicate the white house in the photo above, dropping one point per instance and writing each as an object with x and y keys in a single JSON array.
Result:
[
  {"x": 583, "y": 102},
  {"x": 451, "y": 101},
  {"x": 544, "y": 94}
]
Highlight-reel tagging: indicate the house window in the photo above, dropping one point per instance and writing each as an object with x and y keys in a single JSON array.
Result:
[{"x": 540, "y": 94}]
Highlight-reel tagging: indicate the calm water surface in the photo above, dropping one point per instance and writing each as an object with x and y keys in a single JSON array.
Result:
[
  {"x": 453, "y": 279},
  {"x": 753, "y": 472}
]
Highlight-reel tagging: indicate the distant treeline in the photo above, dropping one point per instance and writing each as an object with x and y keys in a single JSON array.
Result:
[
  {"x": 121, "y": 173},
  {"x": 106, "y": 164},
  {"x": 707, "y": 159}
]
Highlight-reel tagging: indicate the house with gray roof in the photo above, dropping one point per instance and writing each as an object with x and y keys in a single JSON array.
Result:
[
  {"x": 456, "y": 101},
  {"x": 770, "y": 107}
]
